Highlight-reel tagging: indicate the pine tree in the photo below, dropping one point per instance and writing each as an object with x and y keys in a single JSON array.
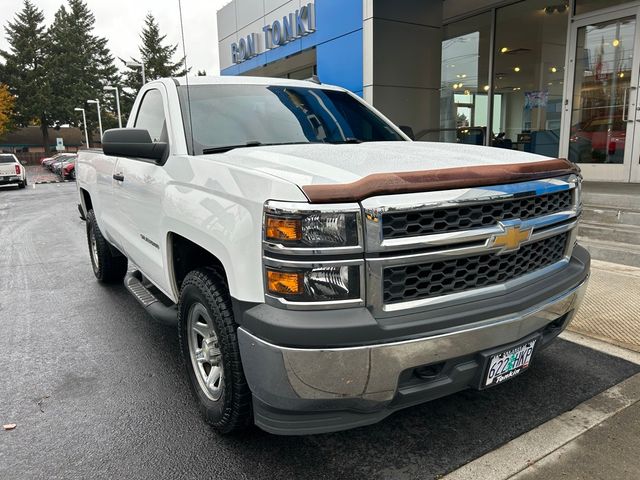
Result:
[
  {"x": 157, "y": 58},
  {"x": 24, "y": 70},
  {"x": 80, "y": 65}
]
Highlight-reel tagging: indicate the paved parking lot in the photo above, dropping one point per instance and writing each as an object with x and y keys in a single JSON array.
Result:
[{"x": 97, "y": 390}]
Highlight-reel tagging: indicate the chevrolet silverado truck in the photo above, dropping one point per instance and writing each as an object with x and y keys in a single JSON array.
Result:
[
  {"x": 322, "y": 269},
  {"x": 12, "y": 171}
]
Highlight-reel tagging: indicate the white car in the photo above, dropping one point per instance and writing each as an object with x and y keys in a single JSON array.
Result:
[
  {"x": 323, "y": 269},
  {"x": 12, "y": 171}
]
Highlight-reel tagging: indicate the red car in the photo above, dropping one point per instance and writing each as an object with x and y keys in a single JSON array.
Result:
[
  {"x": 69, "y": 171},
  {"x": 606, "y": 136}
]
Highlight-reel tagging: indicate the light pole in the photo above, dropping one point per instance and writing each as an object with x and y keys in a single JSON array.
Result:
[
  {"x": 97, "y": 102},
  {"x": 138, "y": 65},
  {"x": 84, "y": 124},
  {"x": 109, "y": 88}
]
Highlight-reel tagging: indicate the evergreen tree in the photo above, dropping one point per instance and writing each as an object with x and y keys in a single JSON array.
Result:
[
  {"x": 24, "y": 70},
  {"x": 157, "y": 58},
  {"x": 80, "y": 65}
]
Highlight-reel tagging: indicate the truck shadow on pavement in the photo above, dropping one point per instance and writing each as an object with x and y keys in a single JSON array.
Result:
[
  {"x": 117, "y": 403},
  {"x": 424, "y": 441},
  {"x": 435, "y": 438}
]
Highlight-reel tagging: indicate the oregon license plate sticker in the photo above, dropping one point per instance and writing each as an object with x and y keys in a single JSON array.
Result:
[{"x": 506, "y": 365}]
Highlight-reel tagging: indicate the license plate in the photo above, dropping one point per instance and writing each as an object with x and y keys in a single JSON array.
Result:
[{"x": 508, "y": 364}]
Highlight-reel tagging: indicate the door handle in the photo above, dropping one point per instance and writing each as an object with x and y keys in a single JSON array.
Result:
[
  {"x": 119, "y": 177},
  {"x": 626, "y": 106}
]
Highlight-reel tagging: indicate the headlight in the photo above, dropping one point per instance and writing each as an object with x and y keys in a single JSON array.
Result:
[
  {"x": 313, "y": 229},
  {"x": 313, "y": 255},
  {"x": 325, "y": 283}
]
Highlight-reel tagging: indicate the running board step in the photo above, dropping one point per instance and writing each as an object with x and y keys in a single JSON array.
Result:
[{"x": 154, "y": 307}]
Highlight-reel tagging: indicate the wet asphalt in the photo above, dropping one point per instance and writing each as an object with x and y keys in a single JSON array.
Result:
[{"x": 97, "y": 389}]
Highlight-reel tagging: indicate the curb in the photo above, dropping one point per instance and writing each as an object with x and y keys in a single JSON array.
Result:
[
  {"x": 44, "y": 182},
  {"x": 524, "y": 451}
]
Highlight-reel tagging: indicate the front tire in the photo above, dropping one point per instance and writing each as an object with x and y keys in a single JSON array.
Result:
[
  {"x": 107, "y": 266},
  {"x": 210, "y": 351}
]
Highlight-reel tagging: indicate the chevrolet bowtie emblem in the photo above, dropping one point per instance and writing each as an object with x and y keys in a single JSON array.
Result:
[{"x": 514, "y": 235}]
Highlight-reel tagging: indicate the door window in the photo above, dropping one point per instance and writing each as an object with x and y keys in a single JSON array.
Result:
[
  {"x": 151, "y": 116},
  {"x": 602, "y": 92}
]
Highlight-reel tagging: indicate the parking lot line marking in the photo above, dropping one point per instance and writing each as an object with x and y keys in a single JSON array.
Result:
[
  {"x": 525, "y": 450},
  {"x": 601, "y": 346}
]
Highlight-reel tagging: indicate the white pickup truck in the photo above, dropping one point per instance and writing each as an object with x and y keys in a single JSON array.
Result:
[
  {"x": 323, "y": 270},
  {"x": 12, "y": 172}
]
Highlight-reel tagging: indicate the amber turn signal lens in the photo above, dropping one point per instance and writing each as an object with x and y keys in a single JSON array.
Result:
[
  {"x": 283, "y": 228},
  {"x": 284, "y": 283}
]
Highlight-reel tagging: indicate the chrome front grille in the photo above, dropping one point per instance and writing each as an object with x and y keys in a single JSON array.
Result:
[
  {"x": 440, "y": 220},
  {"x": 443, "y": 277},
  {"x": 414, "y": 261}
]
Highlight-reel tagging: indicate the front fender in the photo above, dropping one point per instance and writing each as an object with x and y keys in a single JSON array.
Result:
[{"x": 220, "y": 208}]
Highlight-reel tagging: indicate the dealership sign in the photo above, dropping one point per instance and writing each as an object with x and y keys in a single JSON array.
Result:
[{"x": 294, "y": 25}]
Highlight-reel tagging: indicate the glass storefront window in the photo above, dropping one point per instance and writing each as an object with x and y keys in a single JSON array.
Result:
[
  {"x": 529, "y": 61},
  {"x": 464, "y": 82},
  {"x": 586, "y": 6}
]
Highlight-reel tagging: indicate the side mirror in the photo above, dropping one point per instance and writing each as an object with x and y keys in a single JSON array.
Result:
[
  {"x": 408, "y": 131},
  {"x": 133, "y": 142}
]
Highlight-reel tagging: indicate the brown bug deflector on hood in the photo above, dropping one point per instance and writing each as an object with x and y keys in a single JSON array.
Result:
[{"x": 443, "y": 179}]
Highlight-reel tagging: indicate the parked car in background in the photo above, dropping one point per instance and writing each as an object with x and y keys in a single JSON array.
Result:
[
  {"x": 69, "y": 171},
  {"x": 12, "y": 171},
  {"x": 607, "y": 138},
  {"x": 52, "y": 161},
  {"x": 58, "y": 167},
  {"x": 46, "y": 159}
]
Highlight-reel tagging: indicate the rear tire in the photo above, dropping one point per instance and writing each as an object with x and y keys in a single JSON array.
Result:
[
  {"x": 210, "y": 351},
  {"x": 108, "y": 267},
  {"x": 22, "y": 184}
]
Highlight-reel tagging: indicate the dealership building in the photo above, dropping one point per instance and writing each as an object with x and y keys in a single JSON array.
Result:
[{"x": 555, "y": 77}]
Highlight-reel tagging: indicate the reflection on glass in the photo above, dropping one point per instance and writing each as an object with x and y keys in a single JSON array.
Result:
[
  {"x": 529, "y": 60},
  {"x": 464, "y": 82},
  {"x": 601, "y": 91},
  {"x": 231, "y": 116},
  {"x": 584, "y": 6}
]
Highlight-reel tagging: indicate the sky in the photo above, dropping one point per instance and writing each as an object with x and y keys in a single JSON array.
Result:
[{"x": 121, "y": 21}]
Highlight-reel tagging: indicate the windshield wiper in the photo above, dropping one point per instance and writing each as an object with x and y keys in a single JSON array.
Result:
[
  {"x": 347, "y": 140},
  {"x": 226, "y": 148},
  {"x": 253, "y": 143}
]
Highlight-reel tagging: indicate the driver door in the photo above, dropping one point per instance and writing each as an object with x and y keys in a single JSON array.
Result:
[{"x": 138, "y": 191}]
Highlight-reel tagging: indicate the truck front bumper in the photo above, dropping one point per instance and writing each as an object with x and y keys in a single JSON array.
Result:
[{"x": 317, "y": 390}]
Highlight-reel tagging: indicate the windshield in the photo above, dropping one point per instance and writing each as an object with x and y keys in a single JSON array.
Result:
[
  {"x": 250, "y": 115},
  {"x": 7, "y": 159}
]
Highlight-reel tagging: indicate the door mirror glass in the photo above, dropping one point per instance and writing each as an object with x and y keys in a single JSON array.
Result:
[{"x": 134, "y": 142}]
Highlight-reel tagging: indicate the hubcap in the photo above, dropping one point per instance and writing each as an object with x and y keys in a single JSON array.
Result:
[
  {"x": 93, "y": 245},
  {"x": 204, "y": 351}
]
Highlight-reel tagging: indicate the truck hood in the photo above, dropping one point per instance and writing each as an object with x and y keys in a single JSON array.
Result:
[{"x": 313, "y": 164}]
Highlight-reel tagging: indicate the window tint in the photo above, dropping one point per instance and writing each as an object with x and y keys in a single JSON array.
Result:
[
  {"x": 151, "y": 116},
  {"x": 7, "y": 159}
]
